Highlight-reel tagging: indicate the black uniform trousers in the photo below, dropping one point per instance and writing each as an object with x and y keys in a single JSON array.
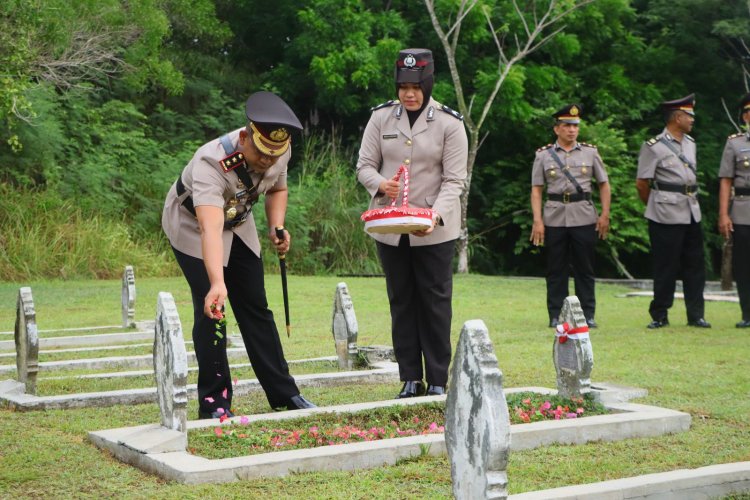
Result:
[
  {"x": 419, "y": 280},
  {"x": 566, "y": 248},
  {"x": 677, "y": 252},
  {"x": 243, "y": 277},
  {"x": 741, "y": 266}
]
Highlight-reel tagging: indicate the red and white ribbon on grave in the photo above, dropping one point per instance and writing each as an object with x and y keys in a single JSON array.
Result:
[{"x": 565, "y": 332}]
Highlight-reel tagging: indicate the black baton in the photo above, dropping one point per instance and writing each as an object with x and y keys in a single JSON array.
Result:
[{"x": 282, "y": 266}]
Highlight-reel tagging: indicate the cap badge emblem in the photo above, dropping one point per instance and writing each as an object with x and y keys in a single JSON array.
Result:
[
  {"x": 574, "y": 111},
  {"x": 279, "y": 135},
  {"x": 410, "y": 61}
]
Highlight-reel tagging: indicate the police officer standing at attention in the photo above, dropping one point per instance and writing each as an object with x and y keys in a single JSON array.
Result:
[
  {"x": 569, "y": 225},
  {"x": 430, "y": 139},
  {"x": 208, "y": 221},
  {"x": 734, "y": 172},
  {"x": 667, "y": 183}
]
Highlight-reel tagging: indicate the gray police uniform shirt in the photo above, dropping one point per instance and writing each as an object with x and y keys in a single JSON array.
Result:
[
  {"x": 584, "y": 164},
  {"x": 436, "y": 152},
  {"x": 735, "y": 164},
  {"x": 209, "y": 185},
  {"x": 656, "y": 161}
]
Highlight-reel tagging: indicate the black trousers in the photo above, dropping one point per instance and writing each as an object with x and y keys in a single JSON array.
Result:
[
  {"x": 566, "y": 248},
  {"x": 741, "y": 267},
  {"x": 677, "y": 252},
  {"x": 246, "y": 293},
  {"x": 420, "y": 287}
]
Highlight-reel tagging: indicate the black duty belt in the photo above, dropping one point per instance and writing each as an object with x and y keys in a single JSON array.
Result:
[
  {"x": 742, "y": 191},
  {"x": 188, "y": 204},
  {"x": 569, "y": 198},
  {"x": 676, "y": 188}
]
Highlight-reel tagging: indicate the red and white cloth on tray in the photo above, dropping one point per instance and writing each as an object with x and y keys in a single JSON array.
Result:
[{"x": 398, "y": 220}]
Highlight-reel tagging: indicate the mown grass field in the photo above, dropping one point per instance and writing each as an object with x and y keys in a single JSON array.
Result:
[{"x": 703, "y": 372}]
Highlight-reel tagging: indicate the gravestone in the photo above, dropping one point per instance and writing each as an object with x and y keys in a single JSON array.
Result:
[
  {"x": 170, "y": 365},
  {"x": 477, "y": 424},
  {"x": 572, "y": 352},
  {"x": 344, "y": 327},
  {"x": 27, "y": 340},
  {"x": 128, "y": 297}
]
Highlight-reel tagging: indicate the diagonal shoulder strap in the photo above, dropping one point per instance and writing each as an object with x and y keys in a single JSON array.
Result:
[
  {"x": 565, "y": 170},
  {"x": 681, "y": 156}
]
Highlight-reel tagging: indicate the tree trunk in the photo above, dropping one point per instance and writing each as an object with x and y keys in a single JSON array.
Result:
[
  {"x": 726, "y": 265},
  {"x": 462, "y": 245}
]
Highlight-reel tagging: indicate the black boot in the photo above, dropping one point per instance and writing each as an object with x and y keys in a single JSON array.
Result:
[{"x": 411, "y": 388}]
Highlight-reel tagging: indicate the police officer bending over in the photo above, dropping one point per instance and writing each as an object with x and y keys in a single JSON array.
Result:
[
  {"x": 667, "y": 183},
  {"x": 570, "y": 225},
  {"x": 208, "y": 221}
]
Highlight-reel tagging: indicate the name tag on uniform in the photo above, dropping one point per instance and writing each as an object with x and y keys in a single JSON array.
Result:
[{"x": 390, "y": 136}]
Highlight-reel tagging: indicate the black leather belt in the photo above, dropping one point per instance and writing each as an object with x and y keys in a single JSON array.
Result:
[
  {"x": 568, "y": 198},
  {"x": 676, "y": 188},
  {"x": 188, "y": 204},
  {"x": 742, "y": 191}
]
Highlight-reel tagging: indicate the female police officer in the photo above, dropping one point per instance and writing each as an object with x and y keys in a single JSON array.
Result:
[
  {"x": 207, "y": 219},
  {"x": 430, "y": 140}
]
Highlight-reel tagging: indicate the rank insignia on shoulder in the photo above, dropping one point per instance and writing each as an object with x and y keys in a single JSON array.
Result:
[
  {"x": 232, "y": 161},
  {"x": 690, "y": 138},
  {"x": 587, "y": 145},
  {"x": 652, "y": 141},
  {"x": 385, "y": 104},
  {"x": 452, "y": 112},
  {"x": 544, "y": 148},
  {"x": 734, "y": 136}
]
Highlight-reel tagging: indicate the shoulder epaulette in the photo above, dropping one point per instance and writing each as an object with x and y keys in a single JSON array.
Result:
[
  {"x": 232, "y": 161},
  {"x": 385, "y": 104},
  {"x": 734, "y": 136},
  {"x": 544, "y": 148},
  {"x": 652, "y": 141},
  {"x": 452, "y": 112},
  {"x": 587, "y": 145},
  {"x": 690, "y": 138}
]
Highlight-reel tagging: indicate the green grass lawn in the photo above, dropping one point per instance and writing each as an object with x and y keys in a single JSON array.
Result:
[{"x": 703, "y": 372}]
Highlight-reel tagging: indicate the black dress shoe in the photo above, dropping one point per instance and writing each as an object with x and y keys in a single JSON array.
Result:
[
  {"x": 745, "y": 323},
  {"x": 411, "y": 389},
  {"x": 435, "y": 390},
  {"x": 658, "y": 323},
  {"x": 203, "y": 415},
  {"x": 553, "y": 323},
  {"x": 591, "y": 323},
  {"x": 298, "y": 402},
  {"x": 700, "y": 323}
]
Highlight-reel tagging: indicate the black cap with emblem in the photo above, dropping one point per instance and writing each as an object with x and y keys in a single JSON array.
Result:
[
  {"x": 568, "y": 114},
  {"x": 685, "y": 104},
  {"x": 270, "y": 120},
  {"x": 416, "y": 66}
]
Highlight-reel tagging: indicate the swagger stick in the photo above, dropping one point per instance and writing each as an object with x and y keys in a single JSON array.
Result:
[{"x": 282, "y": 266}]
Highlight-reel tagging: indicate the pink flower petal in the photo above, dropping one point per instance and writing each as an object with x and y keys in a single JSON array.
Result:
[
  {"x": 218, "y": 431},
  {"x": 209, "y": 399},
  {"x": 244, "y": 420},
  {"x": 224, "y": 393},
  {"x": 220, "y": 411}
]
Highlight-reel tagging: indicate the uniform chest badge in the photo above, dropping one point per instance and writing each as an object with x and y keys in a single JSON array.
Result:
[
  {"x": 746, "y": 164},
  {"x": 584, "y": 169},
  {"x": 552, "y": 173},
  {"x": 232, "y": 161}
]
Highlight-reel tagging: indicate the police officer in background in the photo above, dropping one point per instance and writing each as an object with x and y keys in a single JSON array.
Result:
[
  {"x": 430, "y": 139},
  {"x": 667, "y": 183},
  {"x": 208, "y": 221},
  {"x": 734, "y": 172},
  {"x": 569, "y": 224}
]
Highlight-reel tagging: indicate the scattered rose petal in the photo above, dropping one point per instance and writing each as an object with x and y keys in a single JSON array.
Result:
[
  {"x": 223, "y": 418},
  {"x": 209, "y": 399},
  {"x": 220, "y": 411},
  {"x": 244, "y": 420},
  {"x": 218, "y": 431},
  {"x": 224, "y": 393}
]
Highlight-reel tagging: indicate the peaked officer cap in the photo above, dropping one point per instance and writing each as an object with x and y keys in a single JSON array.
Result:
[
  {"x": 685, "y": 104},
  {"x": 569, "y": 114},
  {"x": 745, "y": 103},
  {"x": 270, "y": 120},
  {"x": 414, "y": 65}
]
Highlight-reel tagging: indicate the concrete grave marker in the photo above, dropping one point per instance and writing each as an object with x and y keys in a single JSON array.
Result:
[
  {"x": 344, "y": 327},
  {"x": 128, "y": 297},
  {"x": 170, "y": 365},
  {"x": 27, "y": 340},
  {"x": 572, "y": 352},
  {"x": 477, "y": 424}
]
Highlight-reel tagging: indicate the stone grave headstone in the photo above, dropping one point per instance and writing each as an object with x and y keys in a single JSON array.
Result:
[
  {"x": 170, "y": 365},
  {"x": 128, "y": 297},
  {"x": 27, "y": 340},
  {"x": 344, "y": 327},
  {"x": 477, "y": 424},
  {"x": 572, "y": 352}
]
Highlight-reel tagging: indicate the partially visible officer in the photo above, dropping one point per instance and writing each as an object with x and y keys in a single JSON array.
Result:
[
  {"x": 735, "y": 172},
  {"x": 208, "y": 221},
  {"x": 667, "y": 183},
  {"x": 569, "y": 225}
]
